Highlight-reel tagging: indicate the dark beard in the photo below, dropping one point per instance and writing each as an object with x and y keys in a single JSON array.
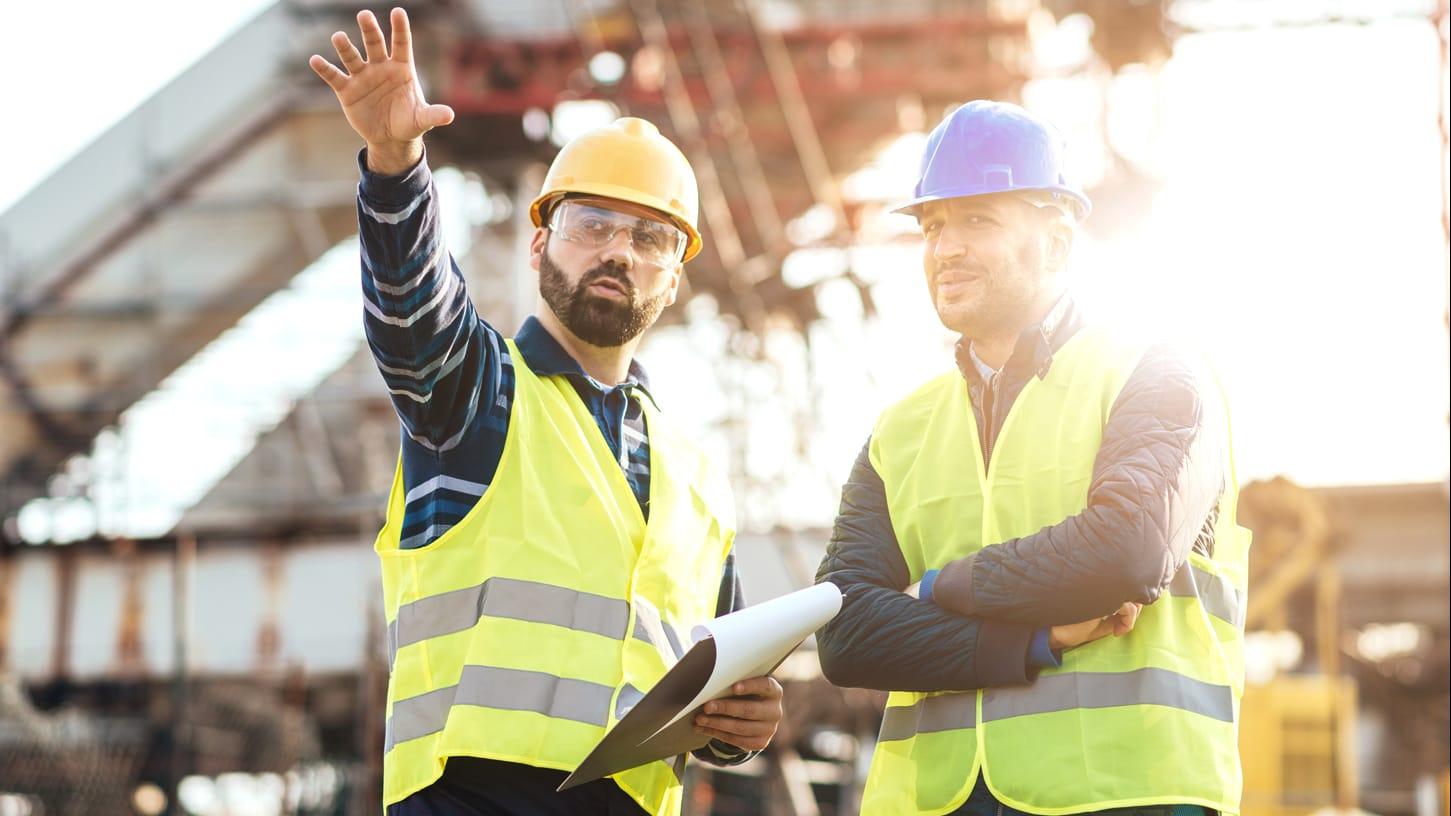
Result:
[{"x": 594, "y": 319}]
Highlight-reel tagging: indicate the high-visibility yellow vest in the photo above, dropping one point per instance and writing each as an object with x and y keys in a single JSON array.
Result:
[
  {"x": 533, "y": 625},
  {"x": 1145, "y": 719}
]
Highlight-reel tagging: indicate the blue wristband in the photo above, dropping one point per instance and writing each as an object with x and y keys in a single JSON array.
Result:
[
  {"x": 924, "y": 589},
  {"x": 1040, "y": 654}
]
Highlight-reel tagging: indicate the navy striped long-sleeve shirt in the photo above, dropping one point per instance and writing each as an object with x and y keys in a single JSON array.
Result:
[{"x": 451, "y": 378}]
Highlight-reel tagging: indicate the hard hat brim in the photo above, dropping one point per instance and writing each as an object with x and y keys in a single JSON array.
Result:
[{"x": 911, "y": 207}]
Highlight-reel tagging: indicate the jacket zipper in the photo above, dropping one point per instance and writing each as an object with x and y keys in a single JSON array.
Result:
[{"x": 987, "y": 456}]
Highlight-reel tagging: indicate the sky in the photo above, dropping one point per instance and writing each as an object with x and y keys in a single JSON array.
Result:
[
  {"x": 84, "y": 77},
  {"x": 1298, "y": 237},
  {"x": 1295, "y": 237}
]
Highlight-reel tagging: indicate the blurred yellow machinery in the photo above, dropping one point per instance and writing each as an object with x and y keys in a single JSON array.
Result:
[
  {"x": 1297, "y": 732},
  {"x": 1296, "y": 743}
]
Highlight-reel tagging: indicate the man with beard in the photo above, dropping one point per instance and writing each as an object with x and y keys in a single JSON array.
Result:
[
  {"x": 1067, "y": 482},
  {"x": 551, "y": 536}
]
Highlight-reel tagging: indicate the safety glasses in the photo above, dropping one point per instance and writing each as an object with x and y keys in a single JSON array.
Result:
[{"x": 654, "y": 242}]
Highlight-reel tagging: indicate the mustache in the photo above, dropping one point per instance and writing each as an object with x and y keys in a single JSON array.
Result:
[
  {"x": 608, "y": 271},
  {"x": 966, "y": 268}
]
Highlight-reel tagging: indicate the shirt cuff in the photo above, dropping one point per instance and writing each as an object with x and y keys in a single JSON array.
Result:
[
  {"x": 953, "y": 587},
  {"x": 924, "y": 589},
  {"x": 716, "y": 752},
  {"x": 1040, "y": 654},
  {"x": 400, "y": 189}
]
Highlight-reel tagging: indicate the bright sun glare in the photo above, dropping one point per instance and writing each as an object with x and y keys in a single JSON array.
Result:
[{"x": 1292, "y": 232}]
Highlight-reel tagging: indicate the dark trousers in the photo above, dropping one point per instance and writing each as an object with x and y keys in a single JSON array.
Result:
[
  {"x": 481, "y": 787},
  {"x": 982, "y": 803}
]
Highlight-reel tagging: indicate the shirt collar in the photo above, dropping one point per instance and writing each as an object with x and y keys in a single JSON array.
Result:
[
  {"x": 1054, "y": 320},
  {"x": 985, "y": 371},
  {"x": 547, "y": 358}
]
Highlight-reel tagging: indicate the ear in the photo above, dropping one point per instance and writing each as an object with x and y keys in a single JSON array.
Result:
[
  {"x": 674, "y": 290},
  {"x": 537, "y": 245},
  {"x": 1060, "y": 243}
]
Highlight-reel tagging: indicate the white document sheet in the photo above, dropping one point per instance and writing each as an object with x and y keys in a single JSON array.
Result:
[{"x": 731, "y": 648}]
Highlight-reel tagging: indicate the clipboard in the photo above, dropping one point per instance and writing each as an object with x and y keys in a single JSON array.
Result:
[{"x": 749, "y": 643}]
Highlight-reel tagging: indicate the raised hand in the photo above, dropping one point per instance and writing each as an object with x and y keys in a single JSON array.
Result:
[{"x": 380, "y": 95}]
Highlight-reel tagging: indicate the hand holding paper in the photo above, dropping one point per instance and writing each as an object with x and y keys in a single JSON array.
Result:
[
  {"x": 747, "y": 644},
  {"x": 748, "y": 718}
]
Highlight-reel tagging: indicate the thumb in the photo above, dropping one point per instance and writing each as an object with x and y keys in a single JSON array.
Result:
[
  {"x": 1125, "y": 619},
  {"x": 436, "y": 116}
]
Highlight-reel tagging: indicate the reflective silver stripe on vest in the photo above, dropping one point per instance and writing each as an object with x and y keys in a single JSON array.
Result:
[
  {"x": 1219, "y": 597},
  {"x": 1064, "y": 692},
  {"x": 945, "y": 712},
  {"x": 531, "y": 601},
  {"x": 417, "y": 717},
  {"x": 648, "y": 623},
  {"x": 493, "y": 687},
  {"x": 629, "y": 695}
]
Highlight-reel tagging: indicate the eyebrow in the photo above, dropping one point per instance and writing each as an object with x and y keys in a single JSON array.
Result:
[
  {"x": 644, "y": 212},
  {"x": 983, "y": 206},
  {"x": 973, "y": 208}
]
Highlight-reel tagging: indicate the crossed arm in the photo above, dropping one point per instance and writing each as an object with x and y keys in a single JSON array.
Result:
[{"x": 1157, "y": 480}]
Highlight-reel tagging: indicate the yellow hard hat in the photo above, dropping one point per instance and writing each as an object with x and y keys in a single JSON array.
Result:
[{"x": 629, "y": 160}]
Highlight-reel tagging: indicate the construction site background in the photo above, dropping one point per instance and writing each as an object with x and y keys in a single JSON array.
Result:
[{"x": 195, "y": 446}]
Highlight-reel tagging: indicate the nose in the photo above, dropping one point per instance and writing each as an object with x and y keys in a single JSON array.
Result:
[
  {"x": 619, "y": 249},
  {"x": 949, "y": 246}
]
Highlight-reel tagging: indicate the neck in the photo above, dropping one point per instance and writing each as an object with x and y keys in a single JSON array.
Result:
[
  {"x": 608, "y": 364},
  {"x": 996, "y": 346},
  {"x": 994, "y": 350}
]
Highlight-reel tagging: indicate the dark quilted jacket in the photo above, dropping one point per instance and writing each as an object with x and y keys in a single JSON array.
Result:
[{"x": 1156, "y": 484}]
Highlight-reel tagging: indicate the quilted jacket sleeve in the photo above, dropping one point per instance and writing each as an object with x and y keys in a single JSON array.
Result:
[
  {"x": 885, "y": 639},
  {"x": 1156, "y": 484}
]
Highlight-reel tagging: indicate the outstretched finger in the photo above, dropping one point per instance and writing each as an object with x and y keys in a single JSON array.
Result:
[
  {"x": 348, "y": 53},
  {"x": 402, "y": 36},
  {"x": 329, "y": 72},
  {"x": 373, "y": 44}
]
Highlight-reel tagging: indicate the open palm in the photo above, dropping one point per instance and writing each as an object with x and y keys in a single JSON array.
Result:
[{"x": 380, "y": 94}]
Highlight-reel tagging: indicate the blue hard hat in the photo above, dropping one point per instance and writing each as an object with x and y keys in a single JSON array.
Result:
[{"x": 988, "y": 147}]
